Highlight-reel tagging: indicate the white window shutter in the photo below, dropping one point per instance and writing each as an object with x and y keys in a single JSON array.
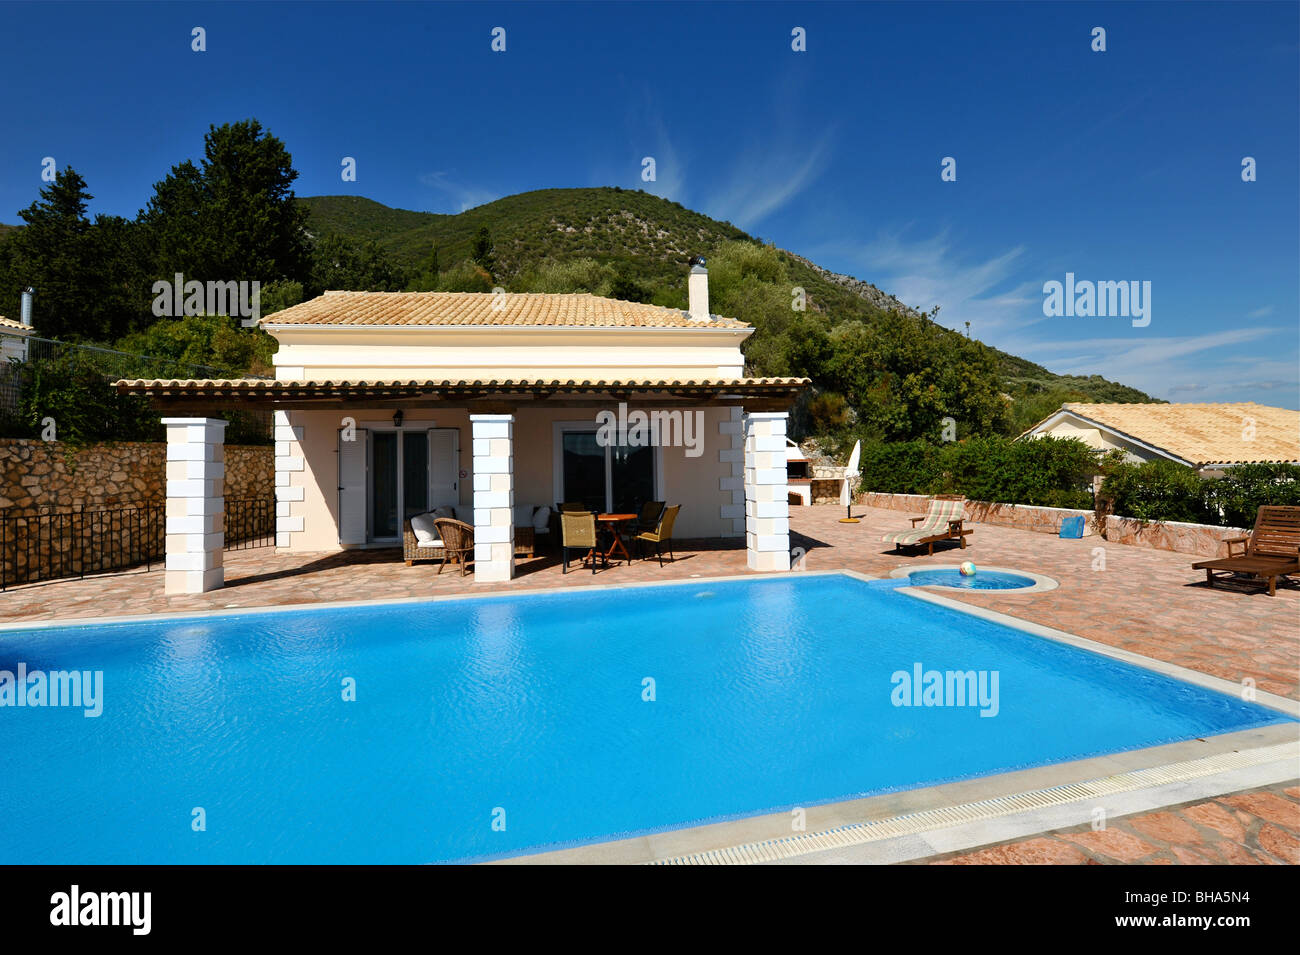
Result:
[{"x": 352, "y": 489}]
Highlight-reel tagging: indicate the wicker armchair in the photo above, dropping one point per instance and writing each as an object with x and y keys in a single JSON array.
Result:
[
  {"x": 457, "y": 543},
  {"x": 413, "y": 550}
]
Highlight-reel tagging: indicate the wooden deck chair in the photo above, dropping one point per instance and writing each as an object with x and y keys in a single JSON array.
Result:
[{"x": 1271, "y": 551}]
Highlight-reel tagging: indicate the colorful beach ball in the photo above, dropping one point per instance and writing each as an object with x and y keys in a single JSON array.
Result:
[{"x": 968, "y": 568}]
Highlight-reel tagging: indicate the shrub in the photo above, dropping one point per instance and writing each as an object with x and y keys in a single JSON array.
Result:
[
  {"x": 1156, "y": 491},
  {"x": 1051, "y": 472},
  {"x": 1234, "y": 499}
]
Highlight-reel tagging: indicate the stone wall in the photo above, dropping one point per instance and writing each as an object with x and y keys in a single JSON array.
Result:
[
  {"x": 47, "y": 473},
  {"x": 1205, "y": 540},
  {"x": 1200, "y": 539}
]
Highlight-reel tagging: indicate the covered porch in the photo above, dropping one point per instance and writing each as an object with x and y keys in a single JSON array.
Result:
[{"x": 354, "y": 460}]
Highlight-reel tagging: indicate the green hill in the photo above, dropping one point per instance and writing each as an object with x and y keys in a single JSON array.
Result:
[{"x": 646, "y": 240}]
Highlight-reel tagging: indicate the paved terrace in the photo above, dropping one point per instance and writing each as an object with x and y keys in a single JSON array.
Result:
[{"x": 1146, "y": 601}]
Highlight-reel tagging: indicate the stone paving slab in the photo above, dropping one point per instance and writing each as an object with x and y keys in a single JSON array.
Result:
[{"x": 1256, "y": 827}]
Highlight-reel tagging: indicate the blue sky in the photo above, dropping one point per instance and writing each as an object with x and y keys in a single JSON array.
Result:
[{"x": 1121, "y": 165}]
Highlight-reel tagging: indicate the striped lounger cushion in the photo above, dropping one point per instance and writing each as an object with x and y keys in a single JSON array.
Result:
[{"x": 936, "y": 522}]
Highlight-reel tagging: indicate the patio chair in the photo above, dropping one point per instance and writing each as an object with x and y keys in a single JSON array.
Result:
[
  {"x": 1271, "y": 551},
  {"x": 457, "y": 542},
  {"x": 648, "y": 518},
  {"x": 943, "y": 522},
  {"x": 578, "y": 532},
  {"x": 662, "y": 535},
  {"x": 420, "y": 540}
]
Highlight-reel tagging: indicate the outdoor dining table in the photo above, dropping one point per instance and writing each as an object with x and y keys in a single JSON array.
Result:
[{"x": 611, "y": 521}]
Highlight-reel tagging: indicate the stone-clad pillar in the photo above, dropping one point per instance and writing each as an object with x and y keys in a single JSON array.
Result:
[
  {"x": 767, "y": 503},
  {"x": 494, "y": 496},
  {"x": 196, "y": 504},
  {"x": 731, "y": 452},
  {"x": 289, "y": 459}
]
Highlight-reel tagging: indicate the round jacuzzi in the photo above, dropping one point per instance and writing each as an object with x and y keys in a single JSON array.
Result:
[{"x": 984, "y": 578}]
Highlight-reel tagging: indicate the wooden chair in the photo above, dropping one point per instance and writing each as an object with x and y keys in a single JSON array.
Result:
[
  {"x": 457, "y": 543},
  {"x": 578, "y": 532},
  {"x": 942, "y": 522},
  {"x": 1271, "y": 551},
  {"x": 662, "y": 534}
]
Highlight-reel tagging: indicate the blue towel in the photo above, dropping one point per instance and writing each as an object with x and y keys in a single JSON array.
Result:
[{"x": 1072, "y": 527}]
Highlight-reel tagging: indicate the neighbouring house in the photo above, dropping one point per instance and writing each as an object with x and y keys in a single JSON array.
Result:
[
  {"x": 1208, "y": 437},
  {"x": 389, "y": 404},
  {"x": 13, "y": 339}
]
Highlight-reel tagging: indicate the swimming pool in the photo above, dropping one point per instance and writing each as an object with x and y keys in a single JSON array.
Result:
[{"x": 496, "y": 725}]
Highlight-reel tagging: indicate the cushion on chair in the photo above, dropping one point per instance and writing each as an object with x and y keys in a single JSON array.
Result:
[
  {"x": 426, "y": 535},
  {"x": 542, "y": 520}
]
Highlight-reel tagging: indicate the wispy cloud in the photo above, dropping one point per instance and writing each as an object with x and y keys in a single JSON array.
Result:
[
  {"x": 926, "y": 272},
  {"x": 459, "y": 194},
  {"x": 765, "y": 180},
  {"x": 1261, "y": 312},
  {"x": 1190, "y": 367},
  {"x": 670, "y": 170}
]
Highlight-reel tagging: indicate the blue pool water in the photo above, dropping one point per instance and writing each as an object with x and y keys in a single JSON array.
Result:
[
  {"x": 980, "y": 580},
  {"x": 767, "y": 694}
]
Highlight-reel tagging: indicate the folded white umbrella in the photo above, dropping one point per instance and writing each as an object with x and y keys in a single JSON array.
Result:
[{"x": 851, "y": 477}]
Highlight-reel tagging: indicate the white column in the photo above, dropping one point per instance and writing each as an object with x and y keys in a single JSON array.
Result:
[
  {"x": 196, "y": 504},
  {"x": 494, "y": 496},
  {"x": 289, "y": 459},
  {"x": 731, "y": 454},
  {"x": 767, "y": 506}
]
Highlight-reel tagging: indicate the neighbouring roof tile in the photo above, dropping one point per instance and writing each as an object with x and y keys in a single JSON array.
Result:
[{"x": 1204, "y": 434}]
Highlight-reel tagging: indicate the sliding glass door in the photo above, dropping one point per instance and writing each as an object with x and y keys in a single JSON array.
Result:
[{"x": 618, "y": 478}]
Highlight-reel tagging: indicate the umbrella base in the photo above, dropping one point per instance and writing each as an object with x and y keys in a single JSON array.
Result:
[{"x": 850, "y": 520}]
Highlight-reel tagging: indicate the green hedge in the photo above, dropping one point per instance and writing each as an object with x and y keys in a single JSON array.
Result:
[
  {"x": 73, "y": 390},
  {"x": 1052, "y": 472},
  {"x": 1165, "y": 491}
]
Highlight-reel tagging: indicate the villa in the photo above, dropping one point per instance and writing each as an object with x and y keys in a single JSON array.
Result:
[
  {"x": 390, "y": 404},
  {"x": 1208, "y": 437}
]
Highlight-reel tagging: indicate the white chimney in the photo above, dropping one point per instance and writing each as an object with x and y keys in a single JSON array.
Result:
[
  {"x": 697, "y": 290},
  {"x": 25, "y": 309}
]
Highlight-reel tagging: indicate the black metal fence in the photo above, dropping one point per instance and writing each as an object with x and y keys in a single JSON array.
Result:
[
  {"x": 53, "y": 543},
  {"x": 250, "y": 523}
]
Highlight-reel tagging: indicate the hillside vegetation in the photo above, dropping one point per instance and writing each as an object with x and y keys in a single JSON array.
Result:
[
  {"x": 882, "y": 370},
  {"x": 634, "y": 245}
]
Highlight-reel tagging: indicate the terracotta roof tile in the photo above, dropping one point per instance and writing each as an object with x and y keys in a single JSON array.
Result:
[
  {"x": 1204, "y": 434},
  {"x": 9, "y": 325},
  {"x": 578, "y": 310}
]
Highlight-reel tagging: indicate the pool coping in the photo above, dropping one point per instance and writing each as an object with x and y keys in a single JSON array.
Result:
[
  {"x": 1041, "y": 583},
  {"x": 690, "y": 840}
]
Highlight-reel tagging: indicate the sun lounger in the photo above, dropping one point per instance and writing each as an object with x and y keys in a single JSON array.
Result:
[
  {"x": 1271, "y": 551},
  {"x": 943, "y": 522}
]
